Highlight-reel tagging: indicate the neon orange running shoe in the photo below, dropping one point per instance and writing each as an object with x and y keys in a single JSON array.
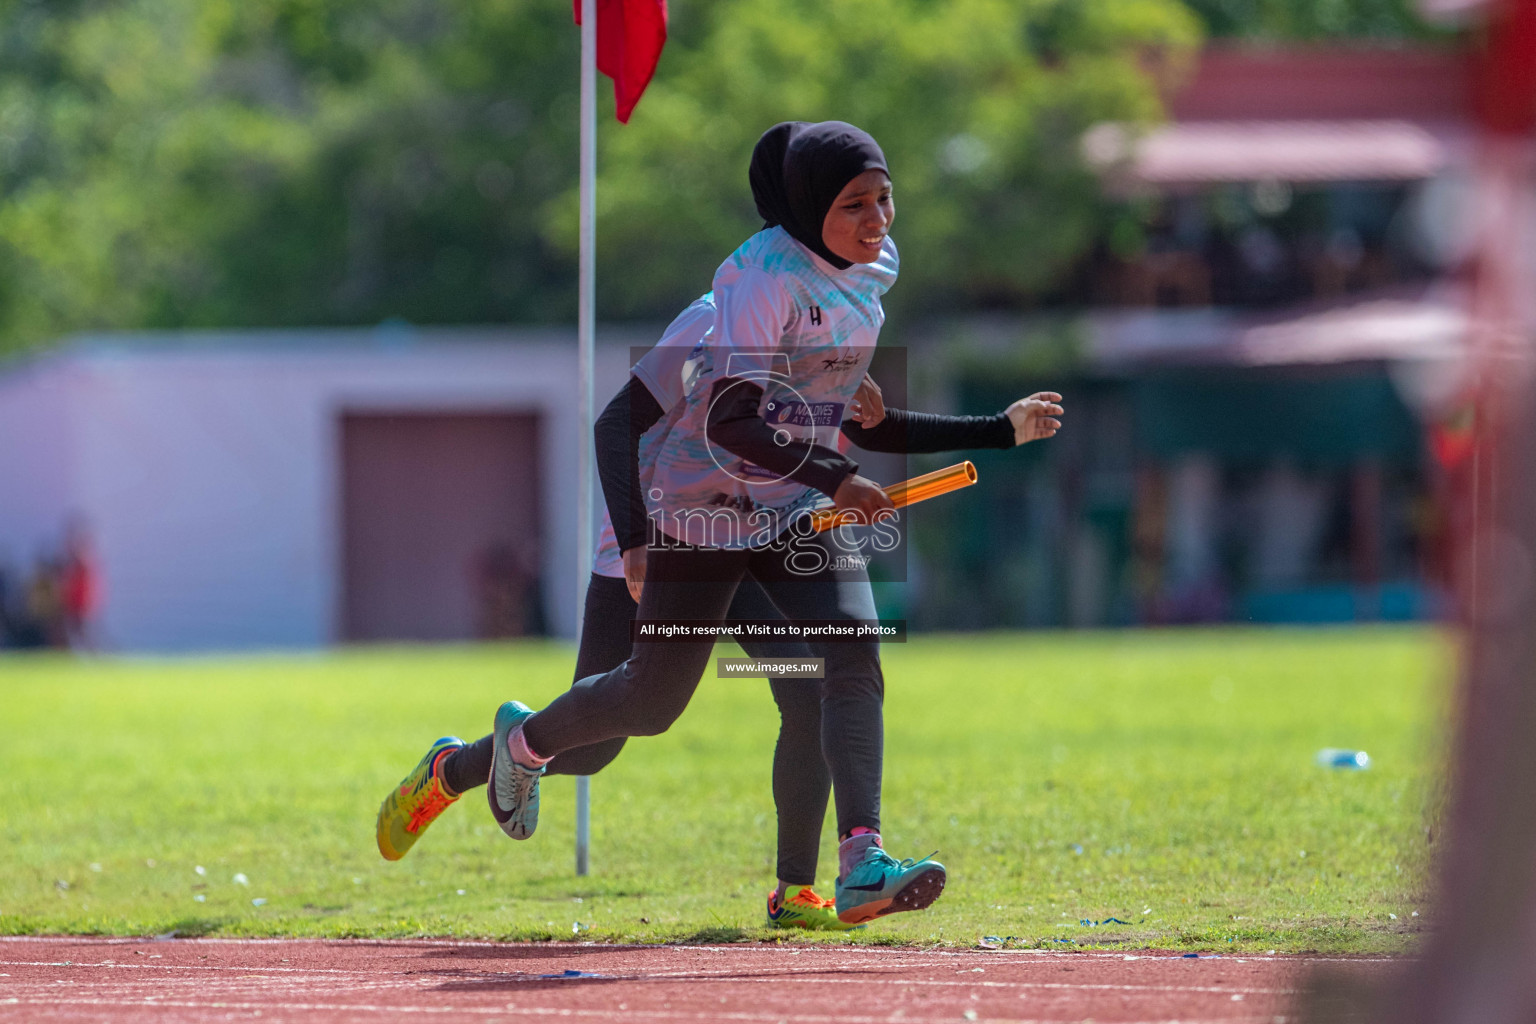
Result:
[
  {"x": 802, "y": 908},
  {"x": 416, "y": 802}
]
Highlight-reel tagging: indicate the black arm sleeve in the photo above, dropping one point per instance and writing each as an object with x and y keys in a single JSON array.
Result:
[
  {"x": 734, "y": 424},
  {"x": 912, "y": 432},
  {"x": 617, "y": 435}
]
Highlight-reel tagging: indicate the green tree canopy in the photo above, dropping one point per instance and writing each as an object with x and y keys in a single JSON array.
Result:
[
  {"x": 978, "y": 104},
  {"x": 255, "y": 162},
  {"x": 170, "y": 163}
]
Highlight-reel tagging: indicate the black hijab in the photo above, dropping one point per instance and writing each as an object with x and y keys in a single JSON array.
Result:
[{"x": 798, "y": 169}]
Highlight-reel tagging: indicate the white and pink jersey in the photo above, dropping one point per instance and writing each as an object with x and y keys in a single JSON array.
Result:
[
  {"x": 804, "y": 332},
  {"x": 668, "y": 372}
]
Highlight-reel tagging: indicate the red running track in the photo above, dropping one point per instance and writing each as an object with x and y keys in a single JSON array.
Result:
[{"x": 196, "y": 980}]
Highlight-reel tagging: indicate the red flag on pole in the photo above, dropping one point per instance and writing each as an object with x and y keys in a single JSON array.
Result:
[{"x": 630, "y": 35}]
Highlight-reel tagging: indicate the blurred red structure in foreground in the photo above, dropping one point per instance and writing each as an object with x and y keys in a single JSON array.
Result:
[{"x": 1477, "y": 962}]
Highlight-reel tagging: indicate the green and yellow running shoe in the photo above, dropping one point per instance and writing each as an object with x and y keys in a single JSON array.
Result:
[
  {"x": 416, "y": 802},
  {"x": 802, "y": 908}
]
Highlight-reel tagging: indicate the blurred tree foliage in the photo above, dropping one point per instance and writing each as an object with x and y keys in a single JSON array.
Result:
[
  {"x": 267, "y": 162},
  {"x": 241, "y": 162},
  {"x": 978, "y": 104}
]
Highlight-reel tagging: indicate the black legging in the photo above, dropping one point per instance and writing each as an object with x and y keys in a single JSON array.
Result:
[
  {"x": 645, "y": 695},
  {"x": 801, "y": 781}
]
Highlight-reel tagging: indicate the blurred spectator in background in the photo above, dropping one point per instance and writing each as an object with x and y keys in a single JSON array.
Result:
[
  {"x": 7, "y": 609},
  {"x": 80, "y": 589},
  {"x": 42, "y": 623},
  {"x": 507, "y": 581},
  {"x": 57, "y": 604}
]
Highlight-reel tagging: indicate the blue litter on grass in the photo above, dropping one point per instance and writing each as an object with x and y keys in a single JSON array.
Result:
[
  {"x": 1113, "y": 920},
  {"x": 1349, "y": 760}
]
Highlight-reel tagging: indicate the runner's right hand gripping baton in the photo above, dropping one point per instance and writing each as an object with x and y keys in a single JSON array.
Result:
[{"x": 908, "y": 492}]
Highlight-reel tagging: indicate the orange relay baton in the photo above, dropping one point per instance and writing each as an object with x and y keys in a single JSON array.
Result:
[{"x": 908, "y": 492}]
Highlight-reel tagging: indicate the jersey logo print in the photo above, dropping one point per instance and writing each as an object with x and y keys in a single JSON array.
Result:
[
  {"x": 805, "y": 414},
  {"x": 815, "y": 316}
]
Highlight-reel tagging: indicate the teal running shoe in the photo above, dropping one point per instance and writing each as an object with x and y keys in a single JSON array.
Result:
[
  {"x": 514, "y": 788},
  {"x": 879, "y": 884}
]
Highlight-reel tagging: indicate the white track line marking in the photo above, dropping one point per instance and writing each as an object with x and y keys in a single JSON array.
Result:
[
  {"x": 806, "y": 975},
  {"x": 878, "y": 951},
  {"x": 549, "y": 1011},
  {"x": 184, "y": 967}
]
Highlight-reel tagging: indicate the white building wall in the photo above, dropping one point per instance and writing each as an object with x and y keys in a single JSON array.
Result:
[
  {"x": 36, "y": 460},
  {"x": 207, "y": 466}
]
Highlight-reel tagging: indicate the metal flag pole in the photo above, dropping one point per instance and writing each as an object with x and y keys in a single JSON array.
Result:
[{"x": 585, "y": 346}]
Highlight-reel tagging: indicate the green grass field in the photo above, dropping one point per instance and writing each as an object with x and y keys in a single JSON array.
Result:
[{"x": 1165, "y": 779}]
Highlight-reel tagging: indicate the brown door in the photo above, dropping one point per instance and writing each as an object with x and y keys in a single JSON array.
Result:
[{"x": 440, "y": 526}]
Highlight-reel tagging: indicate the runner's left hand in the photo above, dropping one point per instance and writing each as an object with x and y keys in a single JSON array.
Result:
[
  {"x": 1034, "y": 418},
  {"x": 634, "y": 571}
]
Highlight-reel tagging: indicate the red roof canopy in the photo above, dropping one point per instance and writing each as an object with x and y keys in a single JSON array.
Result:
[
  {"x": 1299, "y": 115},
  {"x": 1234, "y": 83}
]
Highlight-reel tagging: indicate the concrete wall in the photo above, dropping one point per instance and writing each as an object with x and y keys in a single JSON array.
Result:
[
  {"x": 37, "y": 446},
  {"x": 207, "y": 466}
]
